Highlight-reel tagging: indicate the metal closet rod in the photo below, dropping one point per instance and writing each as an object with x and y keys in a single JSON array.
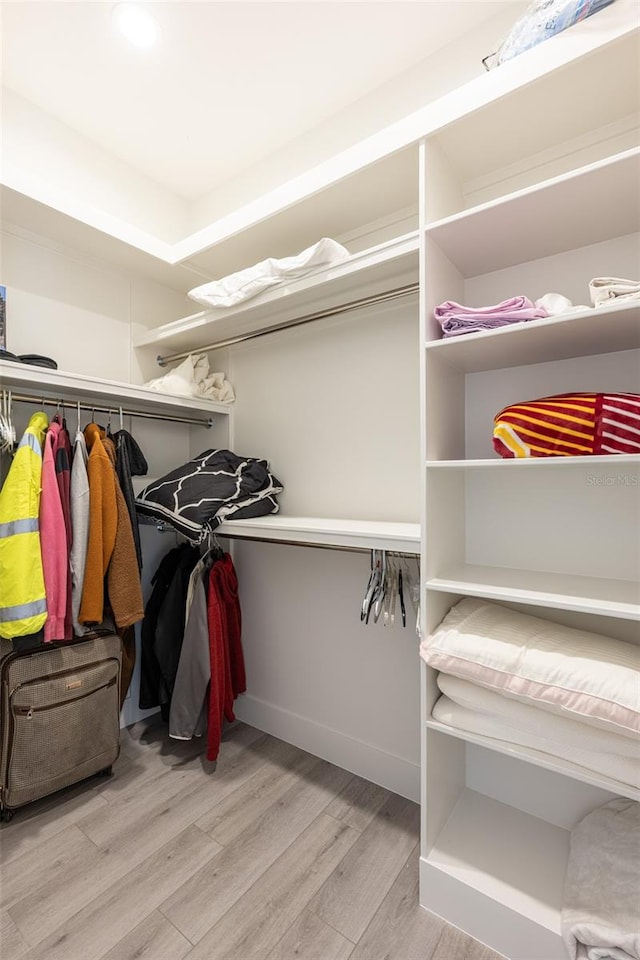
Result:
[
  {"x": 388, "y": 295},
  {"x": 163, "y": 527},
  {"x": 73, "y": 404}
]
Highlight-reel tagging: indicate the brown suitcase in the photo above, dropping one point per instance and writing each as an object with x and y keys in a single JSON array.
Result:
[{"x": 60, "y": 716}]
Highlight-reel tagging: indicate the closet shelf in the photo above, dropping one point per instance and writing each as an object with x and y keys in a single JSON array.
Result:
[
  {"x": 360, "y": 534},
  {"x": 529, "y": 463},
  {"x": 511, "y": 857},
  {"x": 387, "y": 266},
  {"x": 597, "y": 202},
  {"x": 538, "y": 759},
  {"x": 73, "y": 387},
  {"x": 616, "y": 598},
  {"x": 584, "y": 334}
]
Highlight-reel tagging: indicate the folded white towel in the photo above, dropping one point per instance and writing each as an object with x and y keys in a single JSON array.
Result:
[
  {"x": 605, "y": 289},
  {"x": 467, "y": 706},
  {"x": 601, "y": 910},
  {"x": 192, "y": 379},
  {"x": 241, "y": 286}
]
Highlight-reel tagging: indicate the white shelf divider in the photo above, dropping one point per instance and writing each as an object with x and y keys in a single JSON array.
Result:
[
  {"x": 361, "y": 534},
  {"x": 616, "y": 598},
  {"x": 594, "y": 203},
  {"x": 538, "y": 759},
  {"x": 73, "y": 387},
  {"x": 374, "y": 271}
]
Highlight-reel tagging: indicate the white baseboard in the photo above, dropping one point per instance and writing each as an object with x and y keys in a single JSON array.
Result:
[{"x": 395, "y": 773}]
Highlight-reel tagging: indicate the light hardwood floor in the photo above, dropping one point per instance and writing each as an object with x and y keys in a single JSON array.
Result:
[{"x": 271, "y": 854}]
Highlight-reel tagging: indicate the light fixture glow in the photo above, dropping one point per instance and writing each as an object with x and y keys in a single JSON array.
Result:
[{"x": 136, "y": 23}]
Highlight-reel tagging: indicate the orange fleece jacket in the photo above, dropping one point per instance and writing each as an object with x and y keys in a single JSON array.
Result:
[
  {"x": 123, "y": 577},
  {"x": 103, "y": 522}
]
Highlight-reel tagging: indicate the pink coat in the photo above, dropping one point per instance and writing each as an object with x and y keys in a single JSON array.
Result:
[{"x": 53, "y": 543}]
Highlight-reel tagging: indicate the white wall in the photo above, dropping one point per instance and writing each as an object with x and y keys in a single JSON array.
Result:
[
  {"x": 334, "y": 407},
  {"x": 79, "y": 311}
]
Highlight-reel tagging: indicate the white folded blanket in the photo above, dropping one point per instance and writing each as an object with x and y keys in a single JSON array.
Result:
[
  {"x": 601, "y": 908},
  {"x": 583, "y": 676},
  {"x": 475, "y": 709},
  {"x": 247, "y": 283},
  {"x": 192, "y": 379},
  {"x": 605, "y": 289}
]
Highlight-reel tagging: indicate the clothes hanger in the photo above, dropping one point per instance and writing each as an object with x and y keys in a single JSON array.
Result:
[
  {"x": 121, "y": 420},
  {"x": 371, "y": 587},
  {"x": 379, "y": 594},
  {"x": 78, "y": 424}
]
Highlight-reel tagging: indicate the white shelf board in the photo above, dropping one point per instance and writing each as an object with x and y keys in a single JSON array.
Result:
[
  {"x": 529, "y": 463},
  {"x": 389, "y": 265},
  {"x": 587, "y": 333},
  {"x": 594, "y": 203},
  {"x": 616, "y": 598},
  {"x": 507, "y": 855},
  {"x": 538, "y": 759},
  {"x": 368, "y": 534},
  {"x": 57, "y": 384}
]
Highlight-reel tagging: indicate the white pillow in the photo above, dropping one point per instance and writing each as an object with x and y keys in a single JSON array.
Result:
[
  {"x": 241, "y": 286},
  {"x": 582, "y": 675}
]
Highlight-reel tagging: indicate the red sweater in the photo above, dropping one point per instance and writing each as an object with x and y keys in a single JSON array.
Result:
[{"x": 225, "y": 650}]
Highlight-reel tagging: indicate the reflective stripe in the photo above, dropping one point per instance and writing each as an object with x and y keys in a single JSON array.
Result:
[
  {"x": 19, "y": 526},
  {"x": 22, "y": 611},
  {"x": 29, "y": 440}
]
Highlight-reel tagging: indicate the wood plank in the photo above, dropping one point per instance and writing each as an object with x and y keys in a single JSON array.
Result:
[
  {"x": 401, "y": 929},
  {"x": 95, "y": 929},
  {"x": 127, "y": 831},
  {"x": 44, "y": 818},
  {"x": 147, "y": 748},
  {"x": 310, "y": 938},
  {"x": 154, "y": 939},
  {"x": 259, "y": 919},
  {"x": 228, "y": 819},
  {"x": 153, "y": 798},
  {"x": 12, "y": 943},
  {"x": 50, "y": 863},
  {"x": 454, "y": 944},
  {"x": 358, "y": 803},
  {"x": 351, "y": 896},
  {"x": 197, "y": 906}
]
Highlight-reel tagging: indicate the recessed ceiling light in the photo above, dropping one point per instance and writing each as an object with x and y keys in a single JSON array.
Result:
[{"x": 136, "y": 23}]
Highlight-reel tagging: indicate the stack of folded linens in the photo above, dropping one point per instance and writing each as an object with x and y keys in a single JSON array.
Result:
[{"x": 518, "y": 679}]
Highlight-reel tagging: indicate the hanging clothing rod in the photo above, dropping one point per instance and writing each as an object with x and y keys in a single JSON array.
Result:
[
  {"x": 95, "y": 408},
  {"x": 385, "y": 297},
  {"x": 163, "y": 527}
]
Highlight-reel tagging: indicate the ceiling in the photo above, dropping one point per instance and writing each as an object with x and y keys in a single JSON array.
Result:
[{"x": 228, "y": 84}]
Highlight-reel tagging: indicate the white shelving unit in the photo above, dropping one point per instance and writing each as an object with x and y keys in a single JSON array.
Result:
[{"x": 556, "y": 537}]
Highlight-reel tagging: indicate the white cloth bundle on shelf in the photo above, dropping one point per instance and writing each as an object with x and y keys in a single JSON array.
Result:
[
  {"x": 605, "y": 289},
  {"x": 192, "y": 379},
  {"x": 601, "y": 906},
  {"x": 581, "y": 675},
  {"x": 466, "y": 706},
  {"x": 248, "y": 283}
]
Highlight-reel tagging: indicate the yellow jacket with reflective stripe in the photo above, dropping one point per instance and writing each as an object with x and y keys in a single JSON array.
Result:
[{"x": 23, "y": 604}]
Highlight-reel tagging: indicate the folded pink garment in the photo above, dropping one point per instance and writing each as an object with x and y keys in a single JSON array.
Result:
[{"x": 456, "y": 319}]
